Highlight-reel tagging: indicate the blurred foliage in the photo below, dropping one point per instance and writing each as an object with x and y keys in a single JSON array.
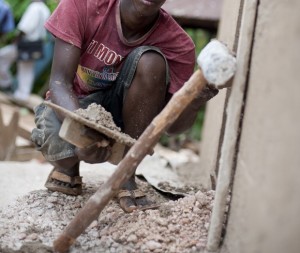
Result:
[
  {"x": 19, "y": 7},
  {"x": 200, "y": 37}
]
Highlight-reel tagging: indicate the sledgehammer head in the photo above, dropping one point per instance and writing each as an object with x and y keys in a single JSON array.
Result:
[{"x": 217, "y": 63}]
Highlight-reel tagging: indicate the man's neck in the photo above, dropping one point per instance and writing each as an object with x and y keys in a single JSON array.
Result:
[{"x": 134, "y": 24}]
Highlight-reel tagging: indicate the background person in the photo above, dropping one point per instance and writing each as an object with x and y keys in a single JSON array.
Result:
[
  {"x": 30, "y": 28},
  {"x": 7, "y": 25}
]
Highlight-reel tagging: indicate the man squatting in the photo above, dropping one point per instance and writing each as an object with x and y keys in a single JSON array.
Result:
[{"x": 130, "y": 56}]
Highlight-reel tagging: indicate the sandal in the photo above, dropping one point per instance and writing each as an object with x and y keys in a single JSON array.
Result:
[
  {"x": 60, "y": 182},
  {"x": 134, "y": 194}
]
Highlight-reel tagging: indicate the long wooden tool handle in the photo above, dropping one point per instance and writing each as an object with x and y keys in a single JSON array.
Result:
[{"x": 127, "y": 166}]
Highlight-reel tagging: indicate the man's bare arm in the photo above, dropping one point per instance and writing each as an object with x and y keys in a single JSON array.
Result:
[
  {"x": 64, "y": 66},
  {"x": 189, "y": 115}
]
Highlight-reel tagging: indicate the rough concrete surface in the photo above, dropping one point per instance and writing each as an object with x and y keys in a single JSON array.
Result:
[
  {"x": 214, "y": 112},
  {"x": 265, "y": 207}
]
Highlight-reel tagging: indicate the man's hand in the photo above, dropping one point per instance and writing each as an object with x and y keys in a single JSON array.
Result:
[
  {"x": 188, "y": 116},
  {"x": 95, "y": 153},
  {"x": 98, "y": 152},
  {"x": 95, "y": 135}
]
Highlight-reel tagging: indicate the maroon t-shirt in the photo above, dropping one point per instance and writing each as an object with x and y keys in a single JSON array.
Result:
[{"x": 95, "y": 27}]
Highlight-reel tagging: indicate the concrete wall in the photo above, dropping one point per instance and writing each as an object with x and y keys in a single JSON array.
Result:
[
  {"x": 265, "y": 206},
  {"x": 214, "y": 116}
]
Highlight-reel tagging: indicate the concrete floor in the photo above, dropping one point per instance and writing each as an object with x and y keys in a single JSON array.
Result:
[{"x": 19, "y": 178}]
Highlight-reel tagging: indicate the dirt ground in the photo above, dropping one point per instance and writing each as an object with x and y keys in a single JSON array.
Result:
[{"x": 32, "y": 222}]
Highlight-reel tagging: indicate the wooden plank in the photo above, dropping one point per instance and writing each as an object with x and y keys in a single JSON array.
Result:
[
  {"x": 26, "y": 119},
  {"x": 8, "y": 134},
  {"x": 72, "y": 132},
  {"x": 4, "y": 99},
  {"x": 32, "y": 101},
  {"x": 117, "y": 136},
  {"x": 26, "y": 153}
]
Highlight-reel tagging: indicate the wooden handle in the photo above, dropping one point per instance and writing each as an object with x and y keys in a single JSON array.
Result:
[{"x": 127, "y": 166}]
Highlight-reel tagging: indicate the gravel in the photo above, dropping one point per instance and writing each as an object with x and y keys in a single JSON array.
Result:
[{"x": 34, "y": 221}]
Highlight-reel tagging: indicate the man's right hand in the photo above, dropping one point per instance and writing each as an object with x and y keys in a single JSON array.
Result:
[
  {"x": 95, "y": 135},
  {"x": 97, "y": 152},
  {"x": 94, "y": 153}
]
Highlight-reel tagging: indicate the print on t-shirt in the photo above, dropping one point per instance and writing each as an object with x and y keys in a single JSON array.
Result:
[
  {"x": 103, "y": 53},
  {"x": 95, "y": 80},
  {"x": 103, "y": 79}
]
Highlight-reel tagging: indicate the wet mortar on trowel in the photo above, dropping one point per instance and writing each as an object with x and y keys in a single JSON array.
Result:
[
  {"x": 99, "y": 116},
  {"x": 96, "y": 113}
]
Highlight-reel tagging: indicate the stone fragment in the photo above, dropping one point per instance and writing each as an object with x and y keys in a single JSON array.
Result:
[{"x": 153, "y": 245}]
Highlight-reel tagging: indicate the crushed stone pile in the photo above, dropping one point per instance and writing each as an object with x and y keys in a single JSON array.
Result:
[{"x": 33, "y": 222}]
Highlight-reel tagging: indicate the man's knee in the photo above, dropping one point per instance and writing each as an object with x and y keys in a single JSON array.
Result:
[{"x": 152, "y": 69}]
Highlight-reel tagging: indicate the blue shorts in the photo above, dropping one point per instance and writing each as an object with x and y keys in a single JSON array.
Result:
[{"x": 45, "y": 135}]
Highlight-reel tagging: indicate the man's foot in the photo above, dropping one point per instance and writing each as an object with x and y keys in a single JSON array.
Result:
[
  {"x": 130, "y": 198},
  {"x": 67, "y": 182}
]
